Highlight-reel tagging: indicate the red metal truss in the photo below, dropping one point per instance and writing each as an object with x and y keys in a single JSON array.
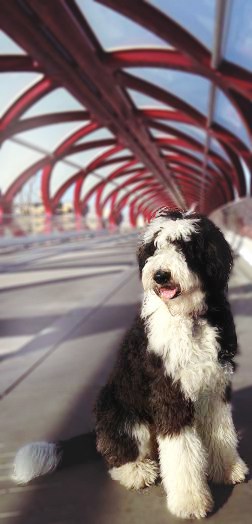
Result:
[
  {"x": 47, "y": 161},
  {"x": 119, "y": 172},
  {"x": 63, "y": 150},
  {"x": 140, "y": 191},
  {"x": 62, "y": 46},
  {"x": 138, "y": 175},
  {"x": 146, "y": 181},
  {"x": 25, "y": 101}
]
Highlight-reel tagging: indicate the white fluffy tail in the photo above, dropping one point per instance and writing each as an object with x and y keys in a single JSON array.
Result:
[{"x": 34, "y": 460}]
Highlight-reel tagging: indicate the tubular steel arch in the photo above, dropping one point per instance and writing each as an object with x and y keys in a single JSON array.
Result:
[{"x": 178, "y": 169}]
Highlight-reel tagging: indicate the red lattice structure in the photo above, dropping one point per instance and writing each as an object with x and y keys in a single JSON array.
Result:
[{"x": 171, "y": 152}]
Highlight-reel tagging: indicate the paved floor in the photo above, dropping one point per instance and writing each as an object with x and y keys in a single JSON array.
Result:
[{"x": 63, "y": 312}]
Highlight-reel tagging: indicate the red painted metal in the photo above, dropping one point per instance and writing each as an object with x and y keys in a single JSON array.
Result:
[
  {"x": 101, "y": 205},
  {"x": 121, "y": 171},
  {"x": 25, "y": 101},
  {"x": 80, "y": 68},
  {"x": 145, "y": 181},
  {"x": 239, "y": 78},
  {"x": 10, "y": 63},
  {"x": 62, "y": 150},
  {"x": 34, "y": 122}
]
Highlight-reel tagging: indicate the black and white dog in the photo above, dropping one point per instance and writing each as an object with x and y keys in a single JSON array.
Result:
[{"x": 166, "y": 406}]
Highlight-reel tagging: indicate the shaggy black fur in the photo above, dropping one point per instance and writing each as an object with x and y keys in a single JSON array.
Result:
[
  {"x": 228, "y": 393},
  {"x": 138, "y": 390},
  {"x": 207, "y": 254}
]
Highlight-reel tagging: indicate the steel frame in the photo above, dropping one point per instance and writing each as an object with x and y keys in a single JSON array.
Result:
[{"x": 68, "y": 54}]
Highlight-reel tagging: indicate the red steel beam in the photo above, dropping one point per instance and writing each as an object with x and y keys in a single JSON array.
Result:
[{"x": 104, "y": 99}]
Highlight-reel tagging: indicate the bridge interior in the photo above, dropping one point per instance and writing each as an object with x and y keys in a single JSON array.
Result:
[
  {"x": 125, "y": 106},
  {"x": 113, "y": 108},
  {"x": 64, "y": 310}
]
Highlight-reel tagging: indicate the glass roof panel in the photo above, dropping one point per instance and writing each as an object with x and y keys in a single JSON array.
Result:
[
  {"x": 13, "y": 85},
  {"x": 107, "y": 189},
  {"x": 188, "y": 165},
  {"x": 191, "y": 88},
  {"x": 139, "y": 193},
  {"x": 213, "y": 165},
  {"x": 218, "y": 149},
  {"x": 196, "y": 154},
  {"x": 192, "y": 131},
  {"x": 98, "y": 134},
  {"x": 89, "y": 183},
  {"x": 194, "y": 16},
  {"x": 160, "y": 134},
  {"x": 114, "y": 30},
  {"x": 49, "y": 137},
  {"x": 226, "y": 115},
  {"x": 60, "y": 174},
  {"x": 107, "y": 170},
  {"x": 14, "y": 159},
  {"x": 123, "y": 192},
  {"x": 144, "y": 101},
  {"x": 85, "y": 157},
  {"x": 136, "y": 167},
  {"x": 126, "y": 177},
  {"x": 238, "y": 45},
  {"x": 8, "y": 46},
  {"x": 123, "y": 152},
  {"x": 58, "y": 101}
]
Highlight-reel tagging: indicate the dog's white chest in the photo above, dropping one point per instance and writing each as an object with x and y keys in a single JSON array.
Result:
[{"x": 189, "y": 349}]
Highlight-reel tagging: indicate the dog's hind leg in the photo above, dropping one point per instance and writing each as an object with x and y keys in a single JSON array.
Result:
[
  {"x": 143, "y": 471},
  {"x": 129, "y": 456}
]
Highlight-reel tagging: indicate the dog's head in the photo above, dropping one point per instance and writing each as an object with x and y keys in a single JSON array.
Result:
[{"x": 183, "y": 257}]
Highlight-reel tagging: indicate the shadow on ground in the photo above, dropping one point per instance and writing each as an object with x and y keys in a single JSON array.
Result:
[{"x": 85, "y": 494}]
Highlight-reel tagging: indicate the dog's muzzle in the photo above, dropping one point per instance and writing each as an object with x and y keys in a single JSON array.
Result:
[
  {"x": 165, "y": 289},
  {"x": 162, "y": 277}
]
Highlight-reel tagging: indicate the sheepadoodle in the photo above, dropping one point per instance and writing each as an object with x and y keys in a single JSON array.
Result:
[{"x": 166, "y": 407}]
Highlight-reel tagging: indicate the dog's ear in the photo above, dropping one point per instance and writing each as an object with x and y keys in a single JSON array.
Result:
[
  {"x": 219, "y": 260},
  {"x": 209, "y": 255},
  {"x": 144, "y": 251},
  {"x": 217, "y": 255}
]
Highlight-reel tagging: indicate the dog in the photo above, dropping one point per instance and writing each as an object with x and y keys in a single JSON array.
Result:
[{"x": 165, "y": 410}]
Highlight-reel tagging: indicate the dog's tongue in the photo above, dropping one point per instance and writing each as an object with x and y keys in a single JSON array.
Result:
[{"x": 168, "y": 293}]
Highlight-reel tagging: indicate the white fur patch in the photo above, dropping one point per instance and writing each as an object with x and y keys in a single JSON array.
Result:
[
  {"x": 183, "y": 464},
  {"x": 34, "y": 460},
  {"x": 136, "y": 475},
  {"x": 169, "y": 259},
  {"x": 215, "y": 425},
  {"x": 142, "y": 435},
  {"x": 170, "y": 230},
  {"x": 188, "y": 346}
]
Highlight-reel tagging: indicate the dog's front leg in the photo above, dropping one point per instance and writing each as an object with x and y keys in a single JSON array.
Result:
[
  {"x": 183, "y": 464},
  {"x": 225, "y": 464}
]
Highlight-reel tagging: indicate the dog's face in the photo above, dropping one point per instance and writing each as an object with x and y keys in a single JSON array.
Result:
[{"x": 183, "y": 256}]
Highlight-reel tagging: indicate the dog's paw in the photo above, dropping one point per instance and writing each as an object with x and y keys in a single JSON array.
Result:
[
  {"x": 190, "y": 505},
  {"x": 136, "y": 475},
  {"x": 238, "y": 472},
  {"x": 230, "y": 474}
]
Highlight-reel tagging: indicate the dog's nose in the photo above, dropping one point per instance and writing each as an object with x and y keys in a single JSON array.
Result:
[{"x": 162, "y": 277}]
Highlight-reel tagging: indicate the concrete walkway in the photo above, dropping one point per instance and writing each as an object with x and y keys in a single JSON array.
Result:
[{"x": 63, "y": 313}]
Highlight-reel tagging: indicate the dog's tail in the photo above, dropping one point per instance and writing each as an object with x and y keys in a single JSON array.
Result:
[{"x": 41, "y": 458}]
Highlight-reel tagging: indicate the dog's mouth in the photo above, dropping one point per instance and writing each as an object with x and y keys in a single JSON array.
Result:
[{"x": 168, "y": 292}]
